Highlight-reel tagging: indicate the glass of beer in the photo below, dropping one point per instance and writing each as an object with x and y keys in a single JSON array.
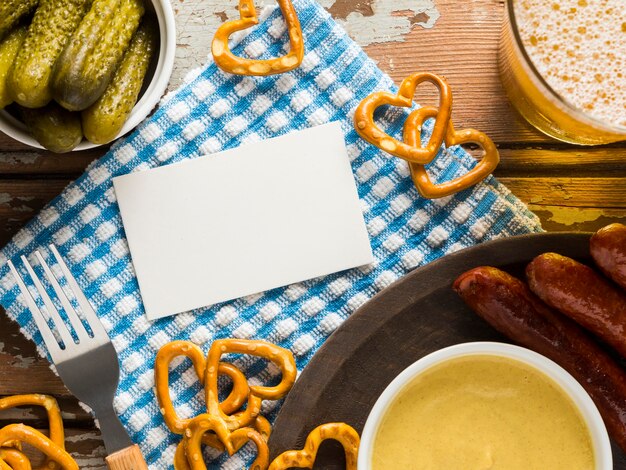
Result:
[{"x": 563, "y": 66}]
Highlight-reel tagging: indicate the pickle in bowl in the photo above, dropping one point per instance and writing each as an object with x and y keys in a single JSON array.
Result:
[
  {"x": 9, "y": 47},
  {"x": 94, "y": 52},
  {"x": 53, "y": 24},
  {"x": 54, "y": 127},
  {"x": 12, "y": 11},
  {"x": 118, "y": 73},
  {"x": 104, "y": 120}
]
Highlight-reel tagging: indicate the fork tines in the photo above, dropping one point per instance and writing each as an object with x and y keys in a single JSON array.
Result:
[{"x": 71, "y": 347}]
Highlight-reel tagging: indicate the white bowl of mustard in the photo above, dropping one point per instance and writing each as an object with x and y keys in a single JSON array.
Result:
[{"x": 484, "y": 406}]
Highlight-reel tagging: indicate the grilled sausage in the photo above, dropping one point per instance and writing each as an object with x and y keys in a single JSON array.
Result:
[
  {"x": 582, "y": 294},
  {"x": 608, "y": 249},
  {"x": 511, "y": 308}
]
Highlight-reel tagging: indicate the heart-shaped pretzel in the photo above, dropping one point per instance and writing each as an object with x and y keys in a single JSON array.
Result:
[
  {"x": 423, "y": 183},
  {"x": 279, "y": 356},
  {"x": 235, "y": 400},
  {"x": 227, "y": 61},
  {"x": 28, "y": 435},
  {"x": 232, "y": 441},
  {"x": 14, "y": 459},
  {"x": 57, "y": 433},
  {"x": 372, "y": 133},
  {"x": 261, "y": 425},
  {"x": 305, "y": 458}
]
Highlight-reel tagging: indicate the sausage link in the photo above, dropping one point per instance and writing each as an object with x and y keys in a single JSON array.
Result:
[
  {"x": 608, "y": 249},
  {"x": 582, "y": 294},
  {"x": 510, "y": 307}
]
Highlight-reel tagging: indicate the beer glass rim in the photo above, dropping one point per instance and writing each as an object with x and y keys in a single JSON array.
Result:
[{"x": 575, "y": 111}]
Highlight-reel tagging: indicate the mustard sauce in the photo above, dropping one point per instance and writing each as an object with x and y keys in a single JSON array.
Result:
[{"x": 482, "y": 412}]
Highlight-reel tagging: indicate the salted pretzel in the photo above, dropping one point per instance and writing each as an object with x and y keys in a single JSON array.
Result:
[
  {"x": 423, "y": 183},
  {"x": 57, "y": 434},
  {"x": 305, "y": 458},
  {"x": 367, "y": 128},
  {"x": 235, "y": 400},
  {"x": 283, "y": 358},
  {"x": 26, "y": 434},
  {"x": 261, "y": 425},
  {"x": 227, "y": 61},
  {"x": 223, "y": 427},
  {"x": 232, "y": 440},
  {"x": 180, "y": 457},
  {"x": 14, "y": 459}
]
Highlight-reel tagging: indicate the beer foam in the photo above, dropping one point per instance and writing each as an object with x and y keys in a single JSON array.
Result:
[{"x": 579, "y": 47}]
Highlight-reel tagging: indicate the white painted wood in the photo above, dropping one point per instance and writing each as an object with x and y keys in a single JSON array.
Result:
[{"x": 367, "y": 21}]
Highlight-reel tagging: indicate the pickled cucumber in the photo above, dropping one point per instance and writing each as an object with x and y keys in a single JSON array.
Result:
[
  {"x": 9, "y": 48},
  {"x": 11, "y": 11},
  {"x": 53, "y": 23},
  {"x": 103, "y": 121},
  {"x": 94, "y": 52},
  {"x": 54, "y": 127}
]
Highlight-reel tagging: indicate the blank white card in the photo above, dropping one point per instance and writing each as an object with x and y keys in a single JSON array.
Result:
[{"x": 243, "y": 221}]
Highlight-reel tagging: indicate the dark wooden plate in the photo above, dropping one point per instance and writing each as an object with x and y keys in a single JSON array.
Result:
[{"x": 413, "y": 317}]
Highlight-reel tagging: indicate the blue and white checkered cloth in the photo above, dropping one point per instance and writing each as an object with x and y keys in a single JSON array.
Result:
[{"x": 214, "y": 111}]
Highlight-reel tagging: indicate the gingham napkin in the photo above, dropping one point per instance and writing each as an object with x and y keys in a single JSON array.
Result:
[{"x": 215, "y": 111}]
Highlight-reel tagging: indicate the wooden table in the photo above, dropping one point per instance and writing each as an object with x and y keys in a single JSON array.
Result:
[{"x": 570, "y": 188}]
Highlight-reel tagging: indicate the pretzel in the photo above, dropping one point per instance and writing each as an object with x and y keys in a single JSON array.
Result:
[
  {"x": 305, "y": 458},
  {"x": 180, "y": 457},
  {"x": 234, "y": 401},
  {"x": 227, "y": 61},
  {"x": 14, "y": 459},
  {"x": 218, "y": 428},
  {"x": 57, "y": 434},
  {"x": 261, "y": 425},
  {"x": 4, "y": 465},
  {"x": 232, "y": 441},
  {"x": 419, "y": 174},
  {"x": 13, "y": 445},
  {"x": 26, "y": 434},
  {"x": 279, "y": 356},
  {"x": 372, "y": 133}
]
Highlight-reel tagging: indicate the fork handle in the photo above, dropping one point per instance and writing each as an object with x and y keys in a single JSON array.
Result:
[{"x": 130, "y": 458}]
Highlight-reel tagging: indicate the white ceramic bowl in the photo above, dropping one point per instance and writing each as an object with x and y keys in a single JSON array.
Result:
[
  {"x": 588, "y": 410},
  {"x": 155, "y": 82}
]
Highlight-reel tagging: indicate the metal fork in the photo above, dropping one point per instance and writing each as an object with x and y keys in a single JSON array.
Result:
[{"x": 89, "y": 367}]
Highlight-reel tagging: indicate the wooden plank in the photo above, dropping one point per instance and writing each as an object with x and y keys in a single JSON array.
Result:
[
  {"x": 8, "y": 144},
  {"x": 21, "y": 200},
  {"x": 575, "y": 219},
  {"x": 21, "y": 368},
  {"x": 39, "y": 163},
  {"x": 72, "y": 413},
  {"x": 582, "y": 161},
  {"x": 27, "y": 196},
  {"x": 570, "y": 191},
  {"x": 86, "y": 447}
]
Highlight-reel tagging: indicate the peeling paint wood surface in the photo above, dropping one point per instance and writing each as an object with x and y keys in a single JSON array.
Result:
[
  {"x": 23, "y": 371},
  {"x": 84, "y": 445},
  {"x": 569, "y": 188}
]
